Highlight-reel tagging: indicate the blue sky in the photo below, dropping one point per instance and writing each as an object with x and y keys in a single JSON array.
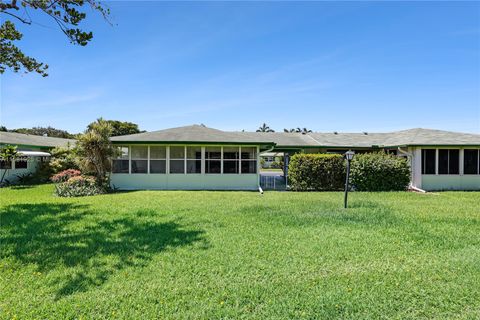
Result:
[{"x": 328, "y": 66}]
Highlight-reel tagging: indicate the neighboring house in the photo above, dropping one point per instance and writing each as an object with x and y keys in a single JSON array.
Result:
[
  {"x": 197, "y": 157},
  {"x": 31, "y": 149}
]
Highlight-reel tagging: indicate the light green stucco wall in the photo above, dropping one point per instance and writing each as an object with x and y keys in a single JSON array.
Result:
[
  {"x": 450, "y": 182},
  {"x": 12, "y": 174},
  {"x": 124, "y": 181}
]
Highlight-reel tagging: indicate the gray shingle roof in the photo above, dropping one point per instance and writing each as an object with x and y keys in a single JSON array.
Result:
[
  {"x": 14, "y": 138},
  {"x": 201, "y": 134},
  {"x": 193, "y": 134},
  {"x": 427, "y": 137}
]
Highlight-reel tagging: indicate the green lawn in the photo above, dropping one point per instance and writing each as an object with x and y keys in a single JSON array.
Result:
[{"x": 234, "y": 255}]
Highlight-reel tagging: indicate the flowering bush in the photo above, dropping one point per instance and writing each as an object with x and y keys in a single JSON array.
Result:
[
  {"x": 78, "y": 186},
  {"x": 65, "y": 175}
]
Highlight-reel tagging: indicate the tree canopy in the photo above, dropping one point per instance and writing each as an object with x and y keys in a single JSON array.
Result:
[
  {"x": 49, "y": 131},
  {"x": 118, "y": 128},
  {"x": 66, "y": 14},
  {"x": 297, "y": 130},
  {"x": 265, "y": 128}
]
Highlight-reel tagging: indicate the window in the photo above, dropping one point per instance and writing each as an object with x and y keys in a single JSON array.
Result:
[
  {"x": 21, "y": 164},
  {"x": 194, "y": 160},
  {"x": 231, "y": 160},
  {"x": 139, "y": 159},
  {"x": 448, "y": 161},
  {"x": 158, "y": 159},
  {"x": 249, "y": 160},
  {"x": 428, "y": 161},
  {"x": 470, "y": 161},
  {"x": 177, "y": 159},
  {"x": 213, "y": 156},
  {"x": 5, "y": 164},
  {"x": 120, "y": 165}
]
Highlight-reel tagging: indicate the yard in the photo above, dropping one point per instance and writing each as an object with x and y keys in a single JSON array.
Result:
[{"x": 211, "y": 255}]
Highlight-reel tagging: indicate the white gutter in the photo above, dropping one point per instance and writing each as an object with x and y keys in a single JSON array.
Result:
[{"x": 410, "y": 157}]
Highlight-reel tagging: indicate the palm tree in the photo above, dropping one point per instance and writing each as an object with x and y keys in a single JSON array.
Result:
[
  {"x": 265, "y": 128},
  {"x": 297, "y": 130}
]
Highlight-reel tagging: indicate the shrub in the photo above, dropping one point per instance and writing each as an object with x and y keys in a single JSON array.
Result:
[
  {"x": 61, "y": 159},
  {"x": 379, "y": 172},
  {"x": 65, "y": 175},
  {"x": 78, "y": 186},
  {"x": 321, "y": 172}
]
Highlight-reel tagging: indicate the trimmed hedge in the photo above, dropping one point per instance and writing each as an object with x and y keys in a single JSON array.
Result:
[
  {"x": 379, "y": 172},
  {"x": 316, "y": 172}
]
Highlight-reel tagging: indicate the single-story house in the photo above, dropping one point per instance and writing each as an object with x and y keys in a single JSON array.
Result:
[
  {"x": 197, "y": 157},
  {"x": 31, "y": 149}
]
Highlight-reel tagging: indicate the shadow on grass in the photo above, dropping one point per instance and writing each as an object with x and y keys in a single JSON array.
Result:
[
  {"x": 22, "y": 186},
  {"x": 70, "y": 238}
]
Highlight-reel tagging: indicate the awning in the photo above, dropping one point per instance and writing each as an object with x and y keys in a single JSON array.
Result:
[
  {"x": 34, "y": 154},
  {"x": 272, "y": 154}
]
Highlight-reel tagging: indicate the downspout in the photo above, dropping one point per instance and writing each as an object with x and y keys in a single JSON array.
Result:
[
  {"x": 258, "y": 166},
  {"x": 410, "y": 159}
]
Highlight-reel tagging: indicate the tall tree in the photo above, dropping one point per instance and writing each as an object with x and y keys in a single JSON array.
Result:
[
  {"x": 265, "y": 128},
  {"x": 95, "y": 151},
  {"x": 119, "y": 128},
  {"x": 49, "y": 131},
  {"x": 66, "y": 14}
]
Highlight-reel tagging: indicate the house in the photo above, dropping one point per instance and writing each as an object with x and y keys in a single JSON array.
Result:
[
  {"x": 191, "y": 157},
  {"x": 197, "y": 157},
  {"x": 31, "y": 150}
]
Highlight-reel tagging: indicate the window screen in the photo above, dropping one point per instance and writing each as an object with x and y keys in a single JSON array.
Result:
[
  {"x": 120, "y": 165},
  {"x": 158, "y": 159},
  {"x": 470, "y": 161},
  {"x": 448, "y": 161},
  {"x": 428, "y": 161},
  {"x": 177, "y": 159},
  {"x": 213, "y": 160},
  {"x": 21, "y": 164}
]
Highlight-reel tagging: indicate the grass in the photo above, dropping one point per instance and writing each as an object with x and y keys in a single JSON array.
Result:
[{"x": 239, "y": 255}]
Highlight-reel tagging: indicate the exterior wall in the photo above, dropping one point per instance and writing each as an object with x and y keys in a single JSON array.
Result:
[
  {"x": 12, "y": 174},
  {"x": 450, "y": 182},
  {"x": 127, "y": 181}
]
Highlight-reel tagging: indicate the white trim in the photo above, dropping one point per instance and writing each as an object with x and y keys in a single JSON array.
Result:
[
  {"x": 221, "y": 160},
  {"x": 240, "y": 160},
  {"x": 185, "y": 160},
  {"x": 202, "y": 165},
  {"x": 167, "y": 165},
  {"x": 148, "y": 159},
  {"x": 129, "y": 160},
  {"x": 460, "y": 161}
]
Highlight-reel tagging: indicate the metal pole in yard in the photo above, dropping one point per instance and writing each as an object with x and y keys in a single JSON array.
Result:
[{"x": 349, "y": 156}]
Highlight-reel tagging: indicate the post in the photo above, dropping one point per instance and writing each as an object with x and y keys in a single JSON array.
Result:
[
  {"x": 349, "y": 156},
  {"x": 346, "y": 184}
]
